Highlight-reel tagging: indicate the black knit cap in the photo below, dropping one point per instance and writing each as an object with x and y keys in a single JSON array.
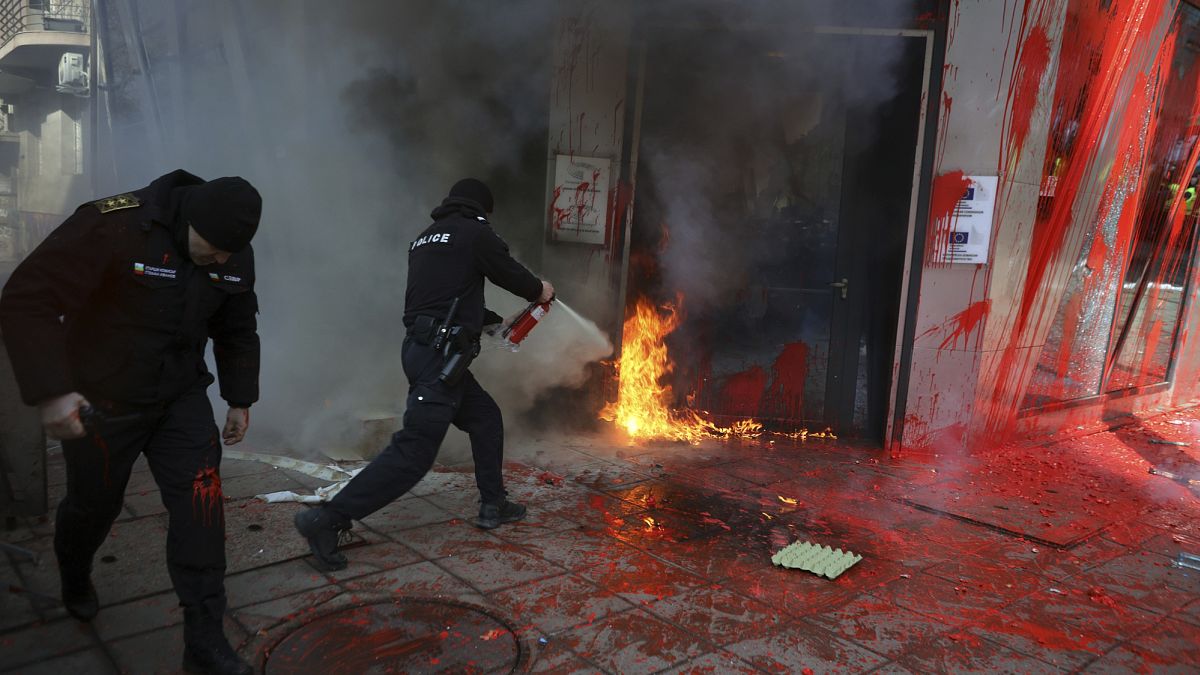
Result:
[
  {"x": 224, "y": 211},
  {"x": 475, "y": 190}
]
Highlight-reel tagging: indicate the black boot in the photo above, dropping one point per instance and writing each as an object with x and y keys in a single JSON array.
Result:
[
  {"x": 492, "y": 516},
  {"x": 78, "y": 593},
  {"x": 321, "y": 528},
  {"x": 205, "y": 649}
]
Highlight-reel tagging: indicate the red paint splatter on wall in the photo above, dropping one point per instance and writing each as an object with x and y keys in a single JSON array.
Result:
[
  {"x": 961, "y": 325},
  {"x": 207, "y": 505},
  {"x": 947, "y": 190},
  {"x": 789, "y": 373},
  {"x": 742, "y": 393}
]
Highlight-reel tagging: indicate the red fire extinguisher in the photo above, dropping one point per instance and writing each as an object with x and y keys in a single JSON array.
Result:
[{"x": 525, "y": 321}]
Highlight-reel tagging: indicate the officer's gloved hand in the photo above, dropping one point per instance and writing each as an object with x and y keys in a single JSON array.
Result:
[
  {"x": 60, "y": 416},
  {"x": 547, "y": 291},
  {"x": 237, "y": 421}
]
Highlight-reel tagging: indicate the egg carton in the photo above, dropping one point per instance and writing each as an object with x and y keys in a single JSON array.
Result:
[{"x": 822, "y": 561}]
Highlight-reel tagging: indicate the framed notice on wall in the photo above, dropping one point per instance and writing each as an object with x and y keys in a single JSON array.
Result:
[
  {"x": 971, "y": 232},
  {"x": 579, "y": 205}
]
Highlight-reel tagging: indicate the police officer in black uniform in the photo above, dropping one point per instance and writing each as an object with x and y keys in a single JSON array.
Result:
[
  {"x": 444, "y": 314},
  {"x": 106, "y": 323}
]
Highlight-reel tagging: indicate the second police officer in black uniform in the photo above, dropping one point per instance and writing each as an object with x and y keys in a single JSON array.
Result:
[
  {"x": 444, "y": 314},
  {"x": 107, "y": 322}
]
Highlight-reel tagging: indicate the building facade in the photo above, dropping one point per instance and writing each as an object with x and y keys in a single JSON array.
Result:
[{"x": 984, "y": 229}]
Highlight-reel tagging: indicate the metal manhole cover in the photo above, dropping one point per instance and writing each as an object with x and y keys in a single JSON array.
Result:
[{"x": 404, "y": 636}]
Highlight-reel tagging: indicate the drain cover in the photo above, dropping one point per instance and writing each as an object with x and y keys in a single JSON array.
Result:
[{"x": 403, "y": 636}]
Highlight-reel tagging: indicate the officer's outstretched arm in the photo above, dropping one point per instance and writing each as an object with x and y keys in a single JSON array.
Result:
[
  {"x": 56, "y": 279},
  {"x": 234, "y": 332},
  {"x": 498, "y": 265}
]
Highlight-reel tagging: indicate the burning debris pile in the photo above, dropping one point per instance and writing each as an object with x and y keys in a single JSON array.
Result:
[{"x": 644, "y": 405}]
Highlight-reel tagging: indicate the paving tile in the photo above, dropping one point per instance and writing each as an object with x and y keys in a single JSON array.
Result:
[
  {"x": 1068, "y": 626},
  {"x": 591, "y": 509},
  {"x": 946, "y": 601},
  {"x": 1190, "y": 613},
  {"x": 258, "y": 534},
  {"x": 554, "y": 658},
  {"x": 453, "y": 537},
  {"x": 43, "y": 641},
  {"x": 606, "y": 476},
  {"x": 879, "y": 625},
  {"x": 442, "y": 479},
  {"x": 718, "y": 614},
  {"x": 795, "y": 592},
  {"x": 561, "y": 602},
  {"x": 423, "y": 579},
  {"x": 371, "y": 558},
  {"x": 1132, "y": 533},
  {"x": 1169, "y": 647},
  {"x": 893, "y": 668},
  {"x": 967, "y": 653},
  {"x": 761, "y": 473},
  {"x": 405, "y": 514},
  {"x": 579, "y": 549},
  {"x": 715, "y": 663},
  {"x": 1049, "y": 562},
  {"x": 537, "y": 521},
  {"x": 633, "y": 642},
  {"x": 493, "y": 567},
  {"x": 161, "y": 651},
  {"x": 265, "y": 583},
  {"x": 90, "y": 661},
  {"x": 800, "y": 648},
  {"x": 138, "y": 616},
  {"x": 985, "y": 575},
  {"x": 642, "y": 579},
  {"x": 715, "y": 558},
  {"x": 131, "y": 563},
  {"x": 1171, "y": 544},
  {"x": 1145, "y": 580},
  {"x": 266, "y": 615},
  {"x": 16, "y": 603}
]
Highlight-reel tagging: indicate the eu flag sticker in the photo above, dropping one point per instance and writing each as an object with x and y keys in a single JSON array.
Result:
[{"x": 959, "y": 237}]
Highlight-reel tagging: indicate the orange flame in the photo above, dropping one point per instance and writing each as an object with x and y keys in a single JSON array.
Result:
[{"x": 643, "y": 405}]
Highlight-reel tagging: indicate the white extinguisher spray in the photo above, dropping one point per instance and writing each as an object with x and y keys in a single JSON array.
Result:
[{"x": 525, "y": 321}]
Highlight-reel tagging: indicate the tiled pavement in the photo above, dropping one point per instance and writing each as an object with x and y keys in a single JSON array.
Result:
[{"x": 657, "y": 559}]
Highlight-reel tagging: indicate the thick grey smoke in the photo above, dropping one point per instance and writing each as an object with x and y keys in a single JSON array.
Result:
[
  {"x": 353, "y": 121},
  {"x": 729, "y": 87}
]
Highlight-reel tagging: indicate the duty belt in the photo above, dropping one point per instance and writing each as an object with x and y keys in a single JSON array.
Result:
[{"x": 424, "y": 329}]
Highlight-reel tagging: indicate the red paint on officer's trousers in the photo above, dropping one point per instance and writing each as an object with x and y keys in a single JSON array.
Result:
[{"x": 206, "y": 495}]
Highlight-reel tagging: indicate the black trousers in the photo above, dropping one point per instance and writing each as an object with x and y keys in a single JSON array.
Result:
[
  {"x": 182, "y": 446},
  {"x": 432, "y": 407}
]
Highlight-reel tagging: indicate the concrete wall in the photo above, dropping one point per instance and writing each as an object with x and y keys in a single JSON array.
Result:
[{"x": 587, "y": 118}]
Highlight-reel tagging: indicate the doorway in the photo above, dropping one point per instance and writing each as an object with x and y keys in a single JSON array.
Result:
[{"x": 775, "y": 180}]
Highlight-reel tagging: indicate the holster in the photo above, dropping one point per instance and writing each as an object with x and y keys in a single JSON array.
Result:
[{"x": 460, "y": 350}]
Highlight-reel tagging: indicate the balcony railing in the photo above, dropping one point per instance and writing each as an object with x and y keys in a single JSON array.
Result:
[{"x": 33, "y": 16}]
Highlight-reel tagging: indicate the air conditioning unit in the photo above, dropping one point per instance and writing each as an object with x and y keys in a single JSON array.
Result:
[{"x": 73, "y": 74}]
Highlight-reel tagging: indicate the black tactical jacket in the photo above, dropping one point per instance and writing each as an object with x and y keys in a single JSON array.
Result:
[
  {"x": 450, "y": 260},
  {"x": 136, "y": 314}
]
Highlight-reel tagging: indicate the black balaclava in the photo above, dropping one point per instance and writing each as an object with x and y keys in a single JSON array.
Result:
[
  {"x": 475, "y": 190},
  {"x": 224, "y": 211}
]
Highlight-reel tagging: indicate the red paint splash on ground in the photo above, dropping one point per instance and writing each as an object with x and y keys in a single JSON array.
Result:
[{"x": 206, "y": 496}]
